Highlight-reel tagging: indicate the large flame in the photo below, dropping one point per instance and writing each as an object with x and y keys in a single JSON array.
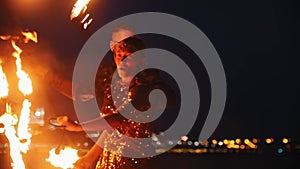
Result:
[
  {"x": 25, "y": 84},
  {"x": 3, "y": 83},
  {"x": 18, "y": 142},
  {"x": 65, "y": 159},
  {"x": 23, "y": 127},
  {"x": 9, "y": 120}
]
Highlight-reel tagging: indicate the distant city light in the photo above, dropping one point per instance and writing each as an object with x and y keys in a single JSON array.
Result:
[
  {"x": 220, "y": 143},
  {"x": 285, "y": 140},
  {"x": 280, "y": 150},
  {"x": 255, "y": 140},
  {"x": 214, "y": 141},
  {"x": 238, "y": 141},
  {"x": 269, "y": 140},
  {"x": 225, "y": 141}
]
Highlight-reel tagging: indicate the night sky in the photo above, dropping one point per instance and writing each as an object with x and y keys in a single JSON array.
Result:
[{"x": 256, "y": 40}]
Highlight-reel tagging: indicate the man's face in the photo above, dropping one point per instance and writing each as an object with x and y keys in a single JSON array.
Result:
[{"x": 126, "y": 67}]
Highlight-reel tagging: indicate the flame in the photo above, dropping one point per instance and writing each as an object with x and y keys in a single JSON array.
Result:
[
  {"x": 3, "y": 83},
  {"x": 25, "y": 84},
  {"x": 86, "y": 24},
  {"x": 9, "y": 120},
  {"x": 65, "y": 159},
  {"x": 23, "y": 128},
  {"x": 79, "y": 6},
  {"x": 5, "y": 37},
  {"x": 30, "y": 36},
  {"x": 20, "y": 142}
]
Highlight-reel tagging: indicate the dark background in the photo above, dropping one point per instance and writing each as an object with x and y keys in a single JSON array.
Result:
[{"x": 256, "y": 40}]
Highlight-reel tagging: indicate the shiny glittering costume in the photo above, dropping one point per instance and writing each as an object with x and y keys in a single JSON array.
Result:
[{"x": 138, "y": 93}]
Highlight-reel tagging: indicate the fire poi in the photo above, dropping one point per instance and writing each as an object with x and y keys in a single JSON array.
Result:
[
  {"x": 20, "y": 139},
  {"x": 79, "y": 9}
]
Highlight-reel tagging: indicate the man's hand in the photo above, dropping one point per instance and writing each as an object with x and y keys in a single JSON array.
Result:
[{"x": 69, "y": 125}]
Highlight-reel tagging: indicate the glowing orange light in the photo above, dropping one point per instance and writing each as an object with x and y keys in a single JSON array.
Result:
[
  {"x": 3, "y": 83},
  {"x": 30, "y": 36},
  {"x": 242, "y": 146},
  {"x": 25, "y": 84},
  {"x": 255, "y": 141},
  {"x": 79, "y": 6},
  {"x": 233, "y": 146},
  {"x": 214, "y": 141},
  {"x": 238, "y": 141},
  {"x": 285, "y": 140},
  {"x": 250, "y": 144},
  {"x": 5, "y": 37},
  {"x": 269, "y": 140}
]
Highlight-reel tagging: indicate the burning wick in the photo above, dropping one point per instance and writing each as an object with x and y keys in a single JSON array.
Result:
[{"x": 79, "y": 8}]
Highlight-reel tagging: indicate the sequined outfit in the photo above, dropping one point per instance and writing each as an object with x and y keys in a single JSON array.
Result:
[{"x": 138, "y": 96}]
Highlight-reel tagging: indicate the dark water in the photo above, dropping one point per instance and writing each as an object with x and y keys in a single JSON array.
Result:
[{"x": 35, "y": 160}]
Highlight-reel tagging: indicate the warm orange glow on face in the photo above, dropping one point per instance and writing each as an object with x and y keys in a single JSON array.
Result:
[
  {"x": 3, "y": 83},
  {"x": 65, "y": 159}
]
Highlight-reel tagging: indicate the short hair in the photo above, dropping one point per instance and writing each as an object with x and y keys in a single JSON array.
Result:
[
  {"x": 123, "y": 26},
  {"x": 131, "y": 44}
]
